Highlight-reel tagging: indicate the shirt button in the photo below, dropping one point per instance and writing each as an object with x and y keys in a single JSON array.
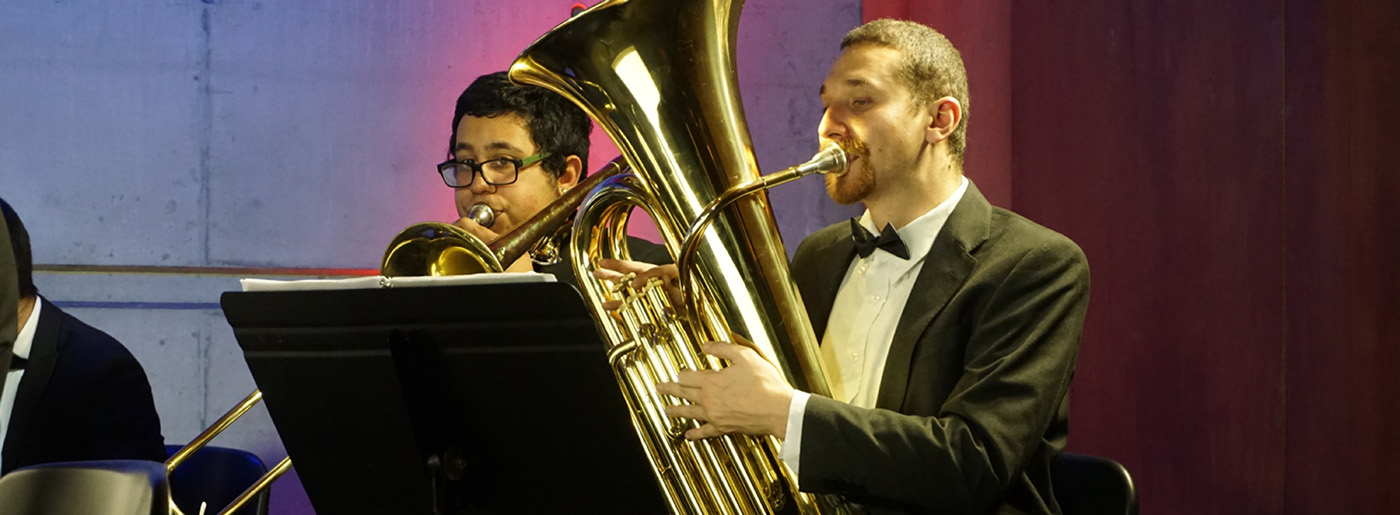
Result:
[
  {"x": 855, "y": 357},
  {"x": 875, "y": 298}
]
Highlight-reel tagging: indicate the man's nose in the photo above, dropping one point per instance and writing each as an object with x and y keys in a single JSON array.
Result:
[{"x": 830, "y": 127}]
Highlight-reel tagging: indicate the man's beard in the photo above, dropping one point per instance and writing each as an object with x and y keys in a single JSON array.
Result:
[{"x": 849, "y": 188}]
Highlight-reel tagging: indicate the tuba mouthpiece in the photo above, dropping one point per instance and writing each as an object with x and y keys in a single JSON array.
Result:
[{"x": 831, "y": 159}]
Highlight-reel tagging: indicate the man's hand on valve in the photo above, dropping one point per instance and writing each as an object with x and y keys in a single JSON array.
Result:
[{"x": 749, "y": 396}]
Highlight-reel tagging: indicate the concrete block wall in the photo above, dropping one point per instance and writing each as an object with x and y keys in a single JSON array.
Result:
[{"x": 156, "y": 148}]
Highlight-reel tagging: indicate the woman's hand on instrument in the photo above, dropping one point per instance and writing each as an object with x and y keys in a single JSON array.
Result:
[
  {"x": 749, "y": 396},
  {"x": 616, "y": 269},
  {"x": 487, "y": 236},
  {"x": 481, "y": 232}
]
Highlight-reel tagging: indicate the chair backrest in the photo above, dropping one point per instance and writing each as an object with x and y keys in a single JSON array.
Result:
[
  {"x": 216, "y": 476},
  {"x": 1091, "y": 485},
  {"x": 108, "y": 487}
]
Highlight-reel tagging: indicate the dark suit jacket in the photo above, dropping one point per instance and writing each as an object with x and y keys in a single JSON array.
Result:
[
  {"x": 83, "y": 397},
  {"x": 973, "y": 402},
  {"x": 9, "y": 300}
]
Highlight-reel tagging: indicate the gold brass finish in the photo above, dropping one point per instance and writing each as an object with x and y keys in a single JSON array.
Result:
[
  {"x": 272, "y": 475},
  {"x": 658, "y": 77},
  {"x": 219, "y": 426},
  {"x": 437, "y": 249},
  {"x": 205, "y": 437},
  {"x": 831, "y": 159}
]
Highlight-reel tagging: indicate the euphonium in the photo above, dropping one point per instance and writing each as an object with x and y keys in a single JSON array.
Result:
[
  {"x": 658, "y": 77},
  {"x": 436, "y": 248}
]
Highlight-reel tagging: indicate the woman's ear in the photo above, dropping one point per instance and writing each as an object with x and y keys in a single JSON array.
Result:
[
  {"x": 573, "y": 168},
  {"x": 946, "y": 115}
]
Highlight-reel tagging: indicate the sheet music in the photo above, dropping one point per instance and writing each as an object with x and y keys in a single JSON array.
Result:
[{"x": 379, "y": 281}]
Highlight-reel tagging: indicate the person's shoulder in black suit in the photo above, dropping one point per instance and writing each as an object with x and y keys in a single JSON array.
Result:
[{"x": 98, "y": 393}]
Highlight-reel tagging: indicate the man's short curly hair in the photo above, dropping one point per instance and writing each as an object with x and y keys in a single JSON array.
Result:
[
  {"x": 932, "y": 68},
  {"x": 557, "y": 126}
]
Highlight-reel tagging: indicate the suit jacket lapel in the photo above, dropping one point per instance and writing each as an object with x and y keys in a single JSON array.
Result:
[
  {"x": 947, "y": 267},
  {"x": 43, "y": 356}
]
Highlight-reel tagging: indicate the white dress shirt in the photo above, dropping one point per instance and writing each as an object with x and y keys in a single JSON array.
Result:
[
  {"x": 862, "y": 321},
  {"x": 23, "y": 342}
]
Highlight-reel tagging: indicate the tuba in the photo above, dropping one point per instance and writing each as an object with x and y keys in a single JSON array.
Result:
[{"x": 658, "y": 77}]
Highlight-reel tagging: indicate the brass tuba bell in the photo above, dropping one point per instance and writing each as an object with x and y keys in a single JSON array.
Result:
[{"x": 658, "y": 76}]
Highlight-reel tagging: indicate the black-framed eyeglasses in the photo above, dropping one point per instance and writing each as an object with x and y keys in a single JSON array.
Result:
[{"x": 496, "y": 172}]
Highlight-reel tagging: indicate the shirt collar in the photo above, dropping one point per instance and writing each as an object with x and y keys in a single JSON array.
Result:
[
  {"x": 918, "y": 234},
  {"x": 25, "y": 339}
]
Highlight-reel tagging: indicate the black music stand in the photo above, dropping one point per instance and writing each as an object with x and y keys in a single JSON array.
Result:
[{"x": 445, "y": 399}]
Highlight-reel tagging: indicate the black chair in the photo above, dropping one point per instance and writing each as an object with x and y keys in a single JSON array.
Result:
[
  {"x": 109, "y": 487},
  {"x": 1090, "y": 485},
  {"x": 216, "y": 476}
]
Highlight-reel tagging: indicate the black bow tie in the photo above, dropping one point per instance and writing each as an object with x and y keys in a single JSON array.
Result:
[
  {"x": 17, "y": 363},
  {"x": 866, "y": 243}
]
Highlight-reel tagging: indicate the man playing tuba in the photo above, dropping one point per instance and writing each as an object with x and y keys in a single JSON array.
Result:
[{"x": 949, "y": 328}]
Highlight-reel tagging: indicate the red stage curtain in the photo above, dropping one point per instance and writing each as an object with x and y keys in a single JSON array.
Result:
[{"x": 1229, "y": 168}]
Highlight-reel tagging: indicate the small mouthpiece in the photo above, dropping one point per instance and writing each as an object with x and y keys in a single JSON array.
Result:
[
  {"x": 482, "y": 214},
  {"x": 830, "y": 160}
]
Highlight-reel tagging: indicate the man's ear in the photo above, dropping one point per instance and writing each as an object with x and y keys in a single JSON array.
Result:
[
  {"x": 945, "y": 116},
  {"x": 573, "y": 168}
]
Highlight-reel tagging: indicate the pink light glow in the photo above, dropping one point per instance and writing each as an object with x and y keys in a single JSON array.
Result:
[{"x": 469, "y": 57}]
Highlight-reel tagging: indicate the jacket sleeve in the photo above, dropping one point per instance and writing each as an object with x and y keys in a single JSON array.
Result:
[
  {"x": 122, "y": 419},
  {"x": 1022, "y": 320},
  {"x": 648, "y": 252}
]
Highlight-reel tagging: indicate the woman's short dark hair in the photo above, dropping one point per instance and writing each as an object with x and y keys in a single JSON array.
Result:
[{"x": 557, "y": 126}]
